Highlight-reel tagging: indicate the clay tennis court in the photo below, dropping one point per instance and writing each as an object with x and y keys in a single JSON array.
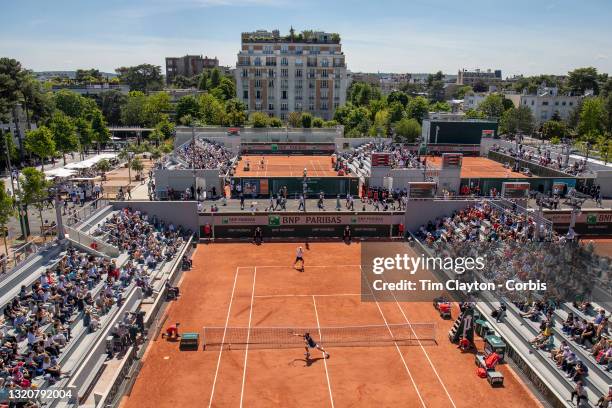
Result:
[
  {"x": 255, "y": 286},
  {"x": 480, "y": 167},
  {"x": 286, "y": 166}
]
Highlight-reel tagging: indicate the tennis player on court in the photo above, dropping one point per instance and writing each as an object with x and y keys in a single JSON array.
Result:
[
  {"x": 309, "y": 343},
  {"x": 299, "y": 258}
]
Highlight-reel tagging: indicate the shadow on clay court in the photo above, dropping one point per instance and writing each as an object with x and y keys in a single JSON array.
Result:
[{"x": 307, "y": 362}]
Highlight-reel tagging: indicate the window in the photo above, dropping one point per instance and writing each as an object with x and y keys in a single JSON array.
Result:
[
  {"x": 271, "y": 83},
  {"x": 270, "y": 106},
  {"x": 267, "y": 49},
  {"x": 258, "y": 72},
  {"x": 258, "y": 105},
  {"x": 298, "y": 73},
  {"x": 323, "y": 105},
  {"x": 337, "y": 84},
  {"x": 258, "y": 94},
  {"x": 270, "y": 61},
  {"x": 284, "y": 84},
  {"x": 324, "y": 84},
  {"x": 298, "y": 84},
  {"x": 298, "y": 49},
  {"x": 324, "y": 74},
  {"x": 250, "y": 49},
  {"x": 245, "y": 94},
  {"x": 311, "y": 106},
  {"x": 571, "y": 103},
  {"x": 324, "y": 94},
  {"x": 284, "y": 61},
  {"x": 284, "y": 72},
  {"x": 298, "y": 106},
  {"x": 563, "y": 103},
  {"x": 298, "y": 62},
  {"x": 258, "y": 83},
  {"x": 284, "y": 107},
  {"x": 258, "y": 61},
  {"x": 556, "y": 103},
  {"x": 284, "y": 48},
  {"x": 544, "y": 103},
  {"x": 283, "y": 94},
  {"x": 311, "y": 73},
  {"x": 532, "y": 102},
  {"x": 245, "y": 73},
  {"x": 544, "y": 115},
  {"x": 325, "y": 62},
  {"x": 336, "y": 105}
]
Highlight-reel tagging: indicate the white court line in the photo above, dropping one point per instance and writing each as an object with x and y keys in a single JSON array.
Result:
[
  {"x": 314, "y": 168},
  {"x": 310, "y": 266},
  {"x": 331, "y": 397},
  {"x": 397, "y": 348},
  {"x": 229, "y": 308},
  {"x": 246, "y": 352},
  {"x": 424, "y": 351},
  {"x": 321, "y": 295}
]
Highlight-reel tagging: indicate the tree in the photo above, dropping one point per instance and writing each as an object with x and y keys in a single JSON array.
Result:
[
  {"x": 187, "y": 105},
  {"x": 361, "y": 93},
  {"x": 64, "y": 134},
  {"x": 259, "y": 119},
  {"x": 381, "y": 123},
  {"x": 461, "y": 91},
  {"x": 474, "y": 114},
  {"x": 72, "y": 104},
  {"x": 203, "y": 82},
  {"x": 330, "y": 123},
  {"x": 103, "y": 166},
  {"x": 100, "y": 133},
  {"x": 143, "y": 77},
  {"x": 132, "y": 113},
  {"x": 275, "y": 122},
  {"x": 418, "y": 108},
  {"x": 517, "y": 120},
  {"x": 137, "y": 166},
  {"x": 317, "y": 123},
  {"x": 604, "y": 145},
  {"x": 155, "y": 106},
  {"x": 396, "y": 112},
  {"x": 7, "y": 210},
  {"x": 592, "y": 122},
  {"x": 234, "y": 113},
  {"x": 12, "y": 77},
  {"x": 407, "y": 130},
  {"x": 306, "y": 120},
  {"x": 295, "y": 119},
  {"x": 40, "y": 142},
  {"x": 215, "y": 78},
  {"x": 440, "y": 107},
  {"x": 553, "y": 128},
  {"x": 165, "y": 127},
  {"x": 225, "y": 90},
  {"x": 398, "y": 96},
  {"x": 582, "y": 79},
  {"x": 34, "y": 190},
  {"x": 111, "y": 103},
  {"x": 358, "y": 122},
  {"x": 211, "y": 110},
  {"x": 492, "y": 106},
  {"x": 84, "y": 134}
]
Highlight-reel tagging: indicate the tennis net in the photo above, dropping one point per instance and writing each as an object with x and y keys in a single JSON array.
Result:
[{"x": 347, "y": 336}]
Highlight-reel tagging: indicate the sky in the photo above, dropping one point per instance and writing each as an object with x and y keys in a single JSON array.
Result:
[{"x": 527, "y": 37}]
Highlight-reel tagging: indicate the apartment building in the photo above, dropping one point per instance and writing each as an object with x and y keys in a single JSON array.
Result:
[
  {"x": 303, "y": 72},
  {"x": 488, "y": 77},
  {"x": 188, "y": 66},
  {"x": 547, "y": 103}
]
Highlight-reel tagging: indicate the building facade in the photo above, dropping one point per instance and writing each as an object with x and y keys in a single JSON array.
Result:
[
  {"x": 303, "y": 72},
  {"x": 488, "y": 77},
  {"x": 188, "y": 66},
  {"x": 547, "y": 103}
]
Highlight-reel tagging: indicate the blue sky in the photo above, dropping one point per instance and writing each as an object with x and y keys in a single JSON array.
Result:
[{"x": 518, "y": 36}]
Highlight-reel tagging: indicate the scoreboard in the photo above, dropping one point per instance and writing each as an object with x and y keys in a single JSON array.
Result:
[
  {"x": 451, "y": 160},
  {"x": 381, "y": 160},
  {"x": 515, "y": 190},
  {"x": 421, "y": 190}
]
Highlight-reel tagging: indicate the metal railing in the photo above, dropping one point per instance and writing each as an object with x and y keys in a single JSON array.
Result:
[
  {"x": 21, "y": 256},
  {"x": 92, "y": 242}
]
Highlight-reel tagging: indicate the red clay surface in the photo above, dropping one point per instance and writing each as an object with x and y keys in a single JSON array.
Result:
[
  {"x": 480, "y": 167},
  {"x": 286, "y": 166},
  {"x": 602, "y": 245},
  {"x": 247, "y": 285}
]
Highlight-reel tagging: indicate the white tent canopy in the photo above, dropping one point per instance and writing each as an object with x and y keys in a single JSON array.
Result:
[
  {"x": 61, "y": 172},
  {"x": 92, "y": 161}
]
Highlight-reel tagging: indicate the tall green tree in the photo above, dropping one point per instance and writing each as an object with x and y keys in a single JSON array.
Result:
[
  {"x": 259, "y": 119},
  {"x": 210, "y": 109},
  {"x": 84, "y": 134},
  {"x": 99, "y": 131},
  {"x": 133, "y": 112},
  {"x": 517, "y": 120},
  {"x": 7, "y": 211},
  {"x": 34, "y": 190},
  {"x": 418, "y": 108},
  {"x": 407, "y": 130},
  {"x": 155, "y": 106},
  {"x": 187, "y": 105},
  {"x": 72, "y": 104},
  {"x": 143, "y": 77},
  {"x": 553, "y": 128},
  {"x": 111, "y": 103},
  {"x": 582, "y": 79},
  {"x": 215, "y": 77},
  {"x": 234, "y": 113},
  {"x": 592, "y": 122},
  {"x": 40, "y": 143},
  {"x": 492, "y": 106},
  {"x": 64, "y": 134}
]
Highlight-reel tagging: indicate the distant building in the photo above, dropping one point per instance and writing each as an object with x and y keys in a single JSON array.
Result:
[
  {"x": 93, "y": 89},
  {"x": 188, "y": 66},
  {"x": 488, "y": 77},
  {"x": 547, "y": 102},
  {"x": 303, "y": 72}
]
